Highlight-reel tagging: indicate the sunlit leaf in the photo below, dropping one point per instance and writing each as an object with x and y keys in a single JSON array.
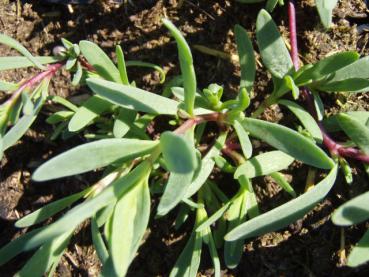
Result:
[
  {"x": 352, "y": 212},
  {"x": 244, "y": 139},
  {"x": 100, "y": 61},
  {"x": 285, "y": 214},
  {"x": 325, "y": 9},
  {"x": 264, "y": 164},
  {"x": 90, "y": 156},
  {"x": 359, "y": 254}
]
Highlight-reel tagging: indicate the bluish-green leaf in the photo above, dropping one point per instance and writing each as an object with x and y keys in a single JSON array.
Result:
[
  {"x": 288, "y": 141},
  {"x": 6, "y": 86},
  {"x": 7, "y": 63},
  {"x": 188, "y": 262},
  {"x": 123, "y": 122},
  {"x": 175, "y": 191},
  {"x": 100, "y": 61},
  {"x": 352, "y": 212},
  {"x": 244, "y": 139},
  {"x": 325, "y": 9},
  {"x": 285, "y": 214},
  {"x": 92, "y": 155},
  {"x": 178, "y": 152},
  {"x": 4, "y": 39},
  {"x": 326, "y": 66},
  {"x": 305, "y": 118},
  {"x": 129, "y": 223},
  {"x": 332, "y": 125},
  {"x": 121, "y": 65},
  {"x": 282, "y": 182},
  {"x": 358, "y": 132},
  {"x": 48, "y": 210},
  {"x": 91, "y": 109},
  {"x": 246, "y": 57},
  {"x": 359, "y": 254},
  {"x": 273, "y": 50},
  {"x": 264, "y": 164},
  {"x": 186, "y": 64}
]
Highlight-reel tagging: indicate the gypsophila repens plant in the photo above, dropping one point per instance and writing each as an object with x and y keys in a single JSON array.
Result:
[
  {"x": 136, "y": 165},
  {"x": 324, "y": 7}
]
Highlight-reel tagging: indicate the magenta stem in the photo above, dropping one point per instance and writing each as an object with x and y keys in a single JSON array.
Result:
[
  {"x": 333, "y": 147},
  {"x": 189, "y": 123},
  {"x": 48, "y": 73}
]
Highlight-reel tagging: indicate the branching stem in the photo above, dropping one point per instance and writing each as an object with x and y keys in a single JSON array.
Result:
[{"x": 336, "y": 149}]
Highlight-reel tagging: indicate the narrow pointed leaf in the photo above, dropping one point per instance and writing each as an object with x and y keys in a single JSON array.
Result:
[
  {"x": 7, "y": 63},
  {"x": 129, "y": 223},
  {"x": 288, "y": 141},
  {"x": 285, "y": 214},
  {"x": 21, "y": 49},
  {"x": 244, "y": 139},
  {"x": 186, "y": 64},
  {"x": 90, "y": 110},
  {"x": 175, "y": 191},
  {"x": 264, "y": 164},
  {"x": 305, "y": 118},
  {"x": 100, "y": 61},
  {"x": 246, "y": 57},
  {"x": 213, "y": 218},
  {"x": 282, "y": 182},
  {"x": 121, "y": 65},
  {"x": 48, "y": 210},
  {"x": 91, "y": 156},
  {"x": 98, "y": 242},
  {"x": 188, "y": 262}
]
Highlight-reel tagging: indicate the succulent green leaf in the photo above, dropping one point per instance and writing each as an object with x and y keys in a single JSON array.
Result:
[
  {"x": 78, "y": 75},
  {"x": 175, "y": 191},
  {"x": 76, "y": 215},
  {"x": 92, "y": 155},
  {"x": 123, "y": 122},
  {"x": 129, "y": 223},
  {"x": 98, "y": 242},
  {"x": 288, "y": 141},
  {"x": 7, "y": 63},
  {"x": 6, "y": 86},
  {"x": 246, "y": 57},
  {"x": 349, "y": 85},
  {"x": 358, "y": 132},
  {"x": 213, "y": 218},
  {"x": 325, "y": 9},
  {"x": 305, "y": 118},
  {"x": 273, "y": 50},
  {"x": 285, "y": 214},
  {"x": 207, "y": 165},
  {"x": 271, "y": 4},
  {"x": 358, "y": 69},
  {"x": 59, "y": 117},
  {"x": 326, "y": 67},
  {"x": 45, "y": 257},
  {"x": 359, "y": 254},
  {"x": 91, "y": 109},
  {"x": 121, "y": 65},
  {"x": 186, "y": 64},
  {"x": 244, "y": 139},
  {"x": 282, "y": 182},
  {"x": 8, "y": 41},
  {"x": 331, "y": 123},
  {"x": 178, "y": 152},
  {"x": 188, "y": 262},
  {"x": 352, "y": 212},
  {"x": 48, "y": 210},
  {"x": 264, "y": 164},
  {"x": 133, "y": 98},
  {"x": 213, "y": 253},
  {"x": 100, "y": 61}
]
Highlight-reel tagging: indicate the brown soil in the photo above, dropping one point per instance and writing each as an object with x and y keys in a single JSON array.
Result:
[{"x": 307, "y": 248}]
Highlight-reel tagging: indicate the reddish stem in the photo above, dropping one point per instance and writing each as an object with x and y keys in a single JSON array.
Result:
[
  {"x": 333, "y": 147},
  {"x": 48, "y": 73},
  {"x": 217, "y": 117}
]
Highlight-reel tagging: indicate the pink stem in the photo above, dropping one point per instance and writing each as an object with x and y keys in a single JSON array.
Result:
[
  {"x": 217, "y": 117},
  {"x": 51, "y": 70},
  {"x": 333, "y": 147}
]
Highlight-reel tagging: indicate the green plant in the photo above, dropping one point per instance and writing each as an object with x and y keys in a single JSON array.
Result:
[
  {"x": 324, "y": 7},
  {"x": 116, "y": 117}
]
